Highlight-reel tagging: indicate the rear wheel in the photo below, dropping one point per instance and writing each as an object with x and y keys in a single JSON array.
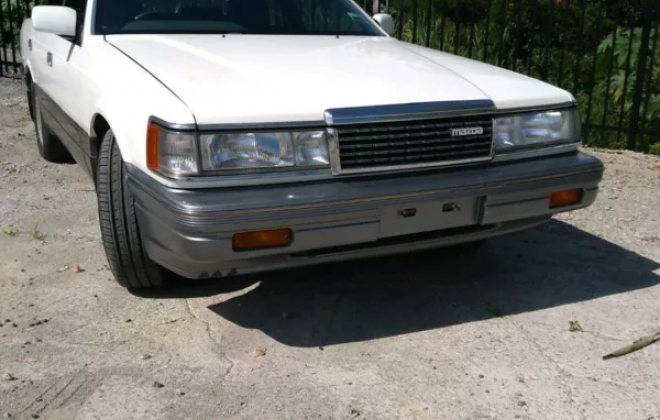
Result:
[
  {"x": 129, "y": 263},
  {"x": 50, "y": 147}
]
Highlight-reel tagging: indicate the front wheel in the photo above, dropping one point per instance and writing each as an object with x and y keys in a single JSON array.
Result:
[{"x": 129, "y": 263}]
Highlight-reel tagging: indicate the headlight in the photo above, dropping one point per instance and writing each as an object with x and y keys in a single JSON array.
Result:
[
  {"x": 176, "y": 154},
  {"x": 232, "y": 151},
  {"x": 537, "y": 130},
  {"x": 171, "y": 153}
]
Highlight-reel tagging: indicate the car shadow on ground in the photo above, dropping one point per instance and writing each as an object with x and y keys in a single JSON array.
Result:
[{"x": 552, "y": 265}]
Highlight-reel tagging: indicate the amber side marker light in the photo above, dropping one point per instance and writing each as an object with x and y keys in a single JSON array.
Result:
[
  {"x": 565, "y": 198},
  {"x": 153, "y": 131},
  {"x": 246, "y": 241}
]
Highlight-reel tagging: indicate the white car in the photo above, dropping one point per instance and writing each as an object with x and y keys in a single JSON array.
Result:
[{"x": 233, "y": 136}]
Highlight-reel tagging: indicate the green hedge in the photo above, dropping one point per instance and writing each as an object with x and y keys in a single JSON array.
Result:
[
  {"x": 589, "y": 47},
  {"x": 10, "y": 26}
]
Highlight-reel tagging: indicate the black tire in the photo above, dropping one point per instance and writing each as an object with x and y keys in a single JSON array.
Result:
[
  {"x": 50, "y": 147},
  {"x": 30, "y": 100},
  {"x": 129, "y": 263}
]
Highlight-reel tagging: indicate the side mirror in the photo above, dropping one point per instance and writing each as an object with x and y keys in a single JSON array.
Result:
[
  {"x": 385, "y": 21},
  {"x": 58, "y": 20}
]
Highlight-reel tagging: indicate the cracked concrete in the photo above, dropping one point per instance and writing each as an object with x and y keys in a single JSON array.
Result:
[{"x": 436, "y": 335}]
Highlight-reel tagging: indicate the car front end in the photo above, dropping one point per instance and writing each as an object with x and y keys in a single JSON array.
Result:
[
  {"x": 314, "y": 140},
  {"x": 366, "y": 181}
]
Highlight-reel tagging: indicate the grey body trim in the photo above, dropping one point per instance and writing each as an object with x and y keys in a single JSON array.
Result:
[
  {"x": 537, "y": 152},
  {"x": 72, "y": 135},
  {"x": 338, "y": 192},
  {"x": 384, "y": 113},
  {"x": 190, "y": 231},
  {"x": 172, "y": 126},
  {"x": 408, "y": 112},
  {"x": 540, "y": 108},
  {"x": 289, "y": 125}
]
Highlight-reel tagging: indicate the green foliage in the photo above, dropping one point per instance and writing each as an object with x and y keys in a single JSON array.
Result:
[
  {"x": 612, "y": 95},
  {"x": 589, "y": 47},
  {"x": 13, "y": 13},
  {"x": 654, "y": 149}
]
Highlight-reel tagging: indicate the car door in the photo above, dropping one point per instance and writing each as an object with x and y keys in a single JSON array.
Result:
[
  {"x": 67, "y": 89},
  {"x": 38, "y": 45}
]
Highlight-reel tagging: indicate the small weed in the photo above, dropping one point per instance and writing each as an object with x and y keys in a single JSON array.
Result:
[
  {"x": 36, "y": 234},
  {"x": 10, "y": 231},
  {"x": 574, "y": 326}
]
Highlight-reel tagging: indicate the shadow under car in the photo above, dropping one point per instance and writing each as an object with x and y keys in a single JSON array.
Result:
[{"x": 551, "y": 265}]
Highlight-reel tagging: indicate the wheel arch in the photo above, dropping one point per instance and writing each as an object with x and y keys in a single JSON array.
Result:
[
  {"x": 29, "y": 81},
  {"x": 97, "y": 129}
]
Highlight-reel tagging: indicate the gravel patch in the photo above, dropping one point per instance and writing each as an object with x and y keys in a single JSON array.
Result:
[{"x": 435, "y": 335}]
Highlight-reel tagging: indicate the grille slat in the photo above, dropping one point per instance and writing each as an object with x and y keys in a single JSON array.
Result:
[
  {"x": 396, "y": 141},
  {"x": 425, "y": 127},
  {"x": 413, "y": 150},
  {"x": 435, "y": 157},
  {"x": 364, "y": 146}
]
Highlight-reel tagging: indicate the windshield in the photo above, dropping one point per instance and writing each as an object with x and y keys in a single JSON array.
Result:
[{"x": 276, "y": 17}]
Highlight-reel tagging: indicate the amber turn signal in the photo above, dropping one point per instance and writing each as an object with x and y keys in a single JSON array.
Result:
[
  {"x": 153, "y": 131},
  {"x": 565, "y": 198},
  {"x": 246, "y": 241}
]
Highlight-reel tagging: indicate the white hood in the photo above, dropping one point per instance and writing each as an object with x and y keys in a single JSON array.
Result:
[{"x": 257, "y": 78}]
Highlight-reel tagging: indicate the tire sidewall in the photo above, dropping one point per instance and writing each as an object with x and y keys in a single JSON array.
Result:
[
  {"x": 127, "y": 258},
  {"x": 39, "y": 126}
]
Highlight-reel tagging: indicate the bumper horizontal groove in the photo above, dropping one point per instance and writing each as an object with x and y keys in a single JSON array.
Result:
[
  {"x": 397, "y": 240},
  {"x": 197, "y": 207}
]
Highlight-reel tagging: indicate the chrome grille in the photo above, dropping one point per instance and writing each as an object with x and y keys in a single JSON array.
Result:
[{"x": 419, "y": 142}]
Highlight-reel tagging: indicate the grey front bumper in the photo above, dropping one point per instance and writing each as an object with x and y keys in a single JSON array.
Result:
[{"x": 190, "y": 231}]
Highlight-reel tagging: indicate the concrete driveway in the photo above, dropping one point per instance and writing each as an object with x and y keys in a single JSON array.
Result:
[{"x": 437, "y": 335}]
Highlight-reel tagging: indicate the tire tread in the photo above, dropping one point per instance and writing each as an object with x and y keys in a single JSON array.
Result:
[{"x": 128, "y": 261}]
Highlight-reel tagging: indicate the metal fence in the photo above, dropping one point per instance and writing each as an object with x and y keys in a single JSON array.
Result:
[
  {"x": 604, "y": 51},
  {"x": 12, "y": 14}
]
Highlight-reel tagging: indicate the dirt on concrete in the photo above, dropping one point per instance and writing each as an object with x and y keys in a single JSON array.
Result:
[{"x": 435, "y": 335}]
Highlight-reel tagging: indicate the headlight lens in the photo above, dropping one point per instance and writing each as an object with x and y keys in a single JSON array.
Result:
[
  {"x": 171, "y": 153},
  {"x": 232, "y": 151},
  {"x": 537, "y": 129},
  {"x": 311, "y": 148}
]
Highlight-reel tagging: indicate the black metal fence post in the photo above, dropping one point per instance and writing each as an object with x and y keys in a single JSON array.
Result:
[
  {"x": 639, "y": 81},
  {"x": 3, "y": 42}
]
